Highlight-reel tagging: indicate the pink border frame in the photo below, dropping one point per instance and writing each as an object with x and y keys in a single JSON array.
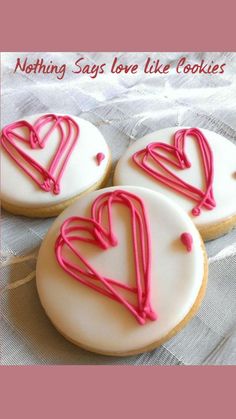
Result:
[
  {"x": 116, "y": 392},
  {"x": 117, "y": 26}
]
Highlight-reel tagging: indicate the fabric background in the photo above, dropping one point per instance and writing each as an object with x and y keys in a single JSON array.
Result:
[{"x": 124, "y": 108}]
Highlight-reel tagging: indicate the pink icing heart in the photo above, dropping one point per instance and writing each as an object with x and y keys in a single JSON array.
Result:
[
  {"x": 179, "y": 160},
  {"x": 50, "y": 177},
  {"x": 92, "y": 230}
]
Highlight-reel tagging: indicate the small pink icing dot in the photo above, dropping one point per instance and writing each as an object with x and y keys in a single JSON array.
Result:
[
  {"x": 141, "y": 321},
  {"x": 100, "y": 157},
  {"x": 46, "y": 185},
  {"x": 187, "y": 240},
  {"x": 56, "y": 189},
  {"x": 196, "y": 212},
  {"x": 151, "y": 314}
]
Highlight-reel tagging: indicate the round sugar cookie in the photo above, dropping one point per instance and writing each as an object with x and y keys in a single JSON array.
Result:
[
  {"x": 121, "y": 271},
  {"x": 196, "y": 168},
  {"x": 50, "y": 160}
]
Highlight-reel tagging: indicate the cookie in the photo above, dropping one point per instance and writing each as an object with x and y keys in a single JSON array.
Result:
[
  {"x": 50, "y": 160},
  {"x": 121, "y": 271},
  {"x": 196, "y": 168}
]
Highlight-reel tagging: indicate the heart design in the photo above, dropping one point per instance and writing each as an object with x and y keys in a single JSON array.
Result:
[
  {"x": 46, "y": 178},
  {"x": 178, "y": 159},
  {"x": 98, "y": 231}
]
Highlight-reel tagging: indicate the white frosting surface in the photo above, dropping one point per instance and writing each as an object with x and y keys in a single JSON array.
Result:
[
  {"x": 224, "y": 184},
  {"x": 81, "y": 172},
  {"x": 93, "y": 320}
]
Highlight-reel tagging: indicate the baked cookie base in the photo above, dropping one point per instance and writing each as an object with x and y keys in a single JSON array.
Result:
[
  {"x": 54, "y": 210},
  {"x": 158, "y": 343},
  {"x": 213, "y": 231}
]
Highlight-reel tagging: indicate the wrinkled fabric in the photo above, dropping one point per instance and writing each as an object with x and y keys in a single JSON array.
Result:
[{"x": 124, "y": 108}]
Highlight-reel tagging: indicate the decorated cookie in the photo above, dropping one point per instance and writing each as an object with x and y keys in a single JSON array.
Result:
[
  {"x": 195, "y": 168},
  {"x": 48, "y": 161},
  {"x": 121, "y": 270}
]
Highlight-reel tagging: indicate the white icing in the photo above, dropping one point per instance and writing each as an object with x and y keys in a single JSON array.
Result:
[
  {"x": 224, "y": 185},
  {"x": 81, "y": 172},
  {"x": 93, "y": 320}
]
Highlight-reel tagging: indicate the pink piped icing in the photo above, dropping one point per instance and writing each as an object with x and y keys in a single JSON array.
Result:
[
  {"x": 48, "y": 179},
  {"x": 178, "y": 159},
  {"x": 100, "y": 157},
  {"x": 98, "y": 229},
  {"x": 187, "y": 241}
]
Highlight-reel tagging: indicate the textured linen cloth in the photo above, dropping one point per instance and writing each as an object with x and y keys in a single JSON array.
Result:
[{"x": 124, "y": 108}]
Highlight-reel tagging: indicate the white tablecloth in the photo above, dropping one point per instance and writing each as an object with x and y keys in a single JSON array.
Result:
[{"x": 124, "y": 108}]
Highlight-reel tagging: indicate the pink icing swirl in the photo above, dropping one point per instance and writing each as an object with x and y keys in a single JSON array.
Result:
[
  {"x": 178, "y": 159},
  {"x": 99, "y": 231},
  {"x": 47, "y": 179}
]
